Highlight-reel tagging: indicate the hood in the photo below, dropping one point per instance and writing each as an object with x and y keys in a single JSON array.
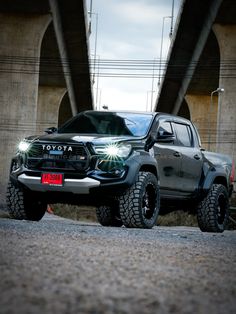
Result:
[{"x": 70, "y": 138}]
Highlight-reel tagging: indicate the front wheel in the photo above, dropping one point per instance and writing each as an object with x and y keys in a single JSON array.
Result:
[
  {"x": 139, "y": 205},
  {"x": 22, "y": 204},
  {"x": 213, "y": 211}
]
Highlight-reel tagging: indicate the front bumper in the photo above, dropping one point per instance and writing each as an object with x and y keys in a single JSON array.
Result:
[
  {"x": 109, "y": 179},
  {"x": 76, "y": 186}
]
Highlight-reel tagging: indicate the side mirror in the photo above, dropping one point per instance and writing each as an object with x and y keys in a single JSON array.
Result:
[
  {"x": 150, "y": 142},
  {"x": 50, "y": 130}
]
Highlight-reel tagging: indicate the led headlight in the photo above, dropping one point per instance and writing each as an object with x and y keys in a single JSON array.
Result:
[
  {"x": 114, "y": 150},
  {"x": 23, "y": 146}
]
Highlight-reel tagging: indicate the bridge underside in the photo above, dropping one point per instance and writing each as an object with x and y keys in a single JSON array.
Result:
[{"x": 201, "y": 59}]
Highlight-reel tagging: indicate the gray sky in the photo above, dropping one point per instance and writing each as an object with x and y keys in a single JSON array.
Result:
[{"x": 129, "y": 30}]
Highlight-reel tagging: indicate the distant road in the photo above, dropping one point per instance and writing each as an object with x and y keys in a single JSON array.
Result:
[{"x": 63, "y": 266}]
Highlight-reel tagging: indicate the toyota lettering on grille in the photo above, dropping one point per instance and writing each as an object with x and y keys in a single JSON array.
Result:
[{"x": 58, "y": 148}]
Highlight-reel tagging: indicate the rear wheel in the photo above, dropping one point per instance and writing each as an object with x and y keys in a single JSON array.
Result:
[
  {"x": 213, "y": 211},
  {"x": 22, "y": 204},
  {"x": 108, "y": 216},
  {"x": 139, "y": 206}
]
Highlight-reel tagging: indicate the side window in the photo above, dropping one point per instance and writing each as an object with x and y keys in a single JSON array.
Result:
[
  {"x": 165, "y": 128},
  {"x": 184, "y": 134}
]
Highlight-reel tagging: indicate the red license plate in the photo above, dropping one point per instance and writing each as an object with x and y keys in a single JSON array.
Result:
[{"x": 52, "y": 178}]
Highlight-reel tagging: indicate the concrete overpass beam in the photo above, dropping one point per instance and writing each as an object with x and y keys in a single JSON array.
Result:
[
  {"x": 49, "y": 99},
  {"x": 200, "y": 43},
  {"x": 57, "y": 22},
  {"x": 20, "y": 39},
  {"x": 226, "y": 127},
  {"x": 205, "y": 121}
]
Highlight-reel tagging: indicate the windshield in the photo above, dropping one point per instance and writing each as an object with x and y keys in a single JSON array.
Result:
[{"x": 108, "y": 123}]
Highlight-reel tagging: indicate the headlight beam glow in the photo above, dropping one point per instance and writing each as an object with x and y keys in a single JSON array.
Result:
[
  {"x": 23, "y": 146},
  {"x": 114, "y": 151}
]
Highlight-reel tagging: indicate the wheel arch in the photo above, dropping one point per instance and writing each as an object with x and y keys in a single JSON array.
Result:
[
  {"x": 139, "y": 163},
  {"x": 215, "y": 178},
  {"x": 220, "y": 180},
  {"x": 149, "y": 168}
]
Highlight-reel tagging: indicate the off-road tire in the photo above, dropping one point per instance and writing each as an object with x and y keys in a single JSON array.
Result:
[
  {"x": 139, "y": 205},
  {"x": 108, "y": 216},
  {"x": 213, "y": 211},
  {"x": 22, "y": 204}
]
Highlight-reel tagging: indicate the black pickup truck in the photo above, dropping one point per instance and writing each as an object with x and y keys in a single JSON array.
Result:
[{"x": 129, "y": 165}]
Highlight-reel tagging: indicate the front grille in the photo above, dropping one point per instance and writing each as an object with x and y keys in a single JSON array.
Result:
[
  {"x": 57, "y": 157},
  {"x": 36, "y": 151}
]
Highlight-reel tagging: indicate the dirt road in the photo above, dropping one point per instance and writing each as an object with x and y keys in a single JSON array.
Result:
[{"x": 62, "y": 266}]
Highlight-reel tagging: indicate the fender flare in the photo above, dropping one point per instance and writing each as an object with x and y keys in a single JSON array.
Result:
[
  {"x": 141, "y": 162},
  {"x": 213, "y": 176}
]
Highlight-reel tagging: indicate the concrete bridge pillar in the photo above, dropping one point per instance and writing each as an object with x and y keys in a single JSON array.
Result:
[
  {"x": 20, "y": 38},
  {"x": 65, "y": 112},
  {"x": 204, "y": 118},
  {"x": 49, "y": 100},
  {"x": 226, "y": 127}
]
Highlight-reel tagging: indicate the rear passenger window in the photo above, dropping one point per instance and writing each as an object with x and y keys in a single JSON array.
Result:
[{"x": 184, "y": 134}]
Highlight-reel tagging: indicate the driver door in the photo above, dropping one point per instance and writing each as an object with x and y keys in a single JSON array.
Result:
[{"x": 168, "y": 159}]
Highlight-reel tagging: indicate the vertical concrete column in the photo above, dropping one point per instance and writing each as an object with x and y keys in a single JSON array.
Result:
[
  {"x": 49, "y": 100},
  {"x": 65, "y": 112},
  {"x": 226, "y": 127},
  {"x": 20, "y": 40},
  {"x": 204, "y": 117}
]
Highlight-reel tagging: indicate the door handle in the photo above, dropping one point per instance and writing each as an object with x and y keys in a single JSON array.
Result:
[
  {"x": 177, "y": 154},
  {"x": 197, "y": 157}
]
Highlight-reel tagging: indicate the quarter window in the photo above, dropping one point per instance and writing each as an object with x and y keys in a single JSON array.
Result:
[{"x": 184, "y": 134}]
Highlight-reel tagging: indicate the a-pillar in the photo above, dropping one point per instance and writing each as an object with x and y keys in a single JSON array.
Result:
[
  {"x": 20, "y": 39},
  {"x": 49, "y": 100},
  {"x": 226, "y": 127},
  {"x": 204, "y": 115}
]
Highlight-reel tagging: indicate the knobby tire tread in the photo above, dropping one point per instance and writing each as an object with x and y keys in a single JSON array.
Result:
[
  {"x": 130, "y": 211},
  {"x": 207, "y": 211}
]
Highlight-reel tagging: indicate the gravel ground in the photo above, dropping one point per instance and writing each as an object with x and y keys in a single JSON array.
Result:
[{"x": 63, "y": 266}]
